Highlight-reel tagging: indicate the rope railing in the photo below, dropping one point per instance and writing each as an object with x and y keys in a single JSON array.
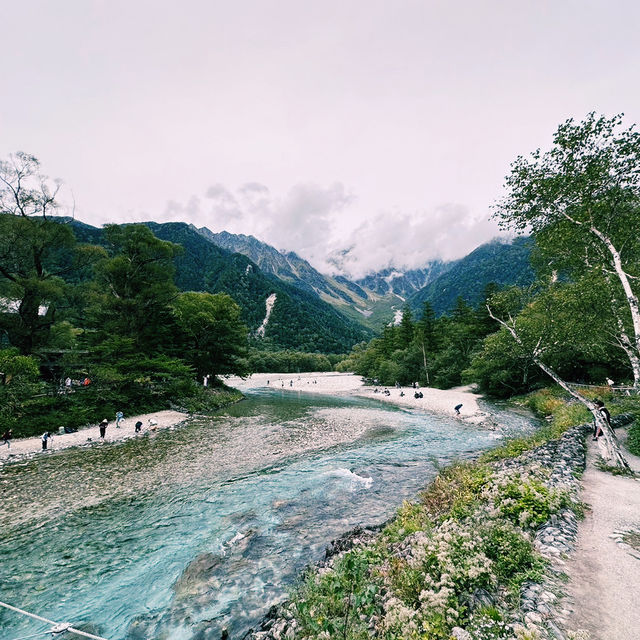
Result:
[
  {"x": 625, "y": 390},
  {"x": 56, "y": 627}
]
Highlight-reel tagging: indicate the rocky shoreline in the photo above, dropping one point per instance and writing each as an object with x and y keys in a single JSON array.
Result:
[{"x": 541, "y": 611}]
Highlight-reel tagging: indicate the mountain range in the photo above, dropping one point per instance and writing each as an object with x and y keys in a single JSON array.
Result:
[
  {"x": 375, "y": 299},
  {"x": 287, "y": 303}
]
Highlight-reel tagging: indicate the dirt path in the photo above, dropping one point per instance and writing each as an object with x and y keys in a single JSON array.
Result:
[{"x": 604, "y": 576}]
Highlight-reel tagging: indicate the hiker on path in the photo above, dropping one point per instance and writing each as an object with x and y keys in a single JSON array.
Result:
[
  {"x": 119, "y": 418},
  {"x": 103, "y": 428},
  {"x": 604, "y": 412},
  {"x": 6, "y": 437}
]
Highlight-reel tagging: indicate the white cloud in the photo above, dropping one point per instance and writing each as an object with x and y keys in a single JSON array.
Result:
[
  {"x": 312, "y": 220},
  {"x": 403, "y": 240}
]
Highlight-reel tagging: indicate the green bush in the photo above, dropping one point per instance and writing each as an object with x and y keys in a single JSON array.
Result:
[
  {"x": 514, "y": 558},
  {"x": 455, "y": 489},
  {"x": 411, "y": 517},
  {"x": 633, "y": 439},
  {"x": 529, "y": 503},
  {"x": 331, "y": 604}
]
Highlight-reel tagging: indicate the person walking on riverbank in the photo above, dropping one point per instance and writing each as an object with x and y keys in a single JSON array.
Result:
[
  {"x": 119, "y": 418},
  {"x": 6, "y": 437},
  {"x": 457, "y": 409},
  {"x": 46, "y": 437},
  {"x": 138, "y": 426},
  {"x": 103, "y": 428}
]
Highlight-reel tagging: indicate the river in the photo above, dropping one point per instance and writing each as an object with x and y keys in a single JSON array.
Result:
[{"x": 181, "y": 533}]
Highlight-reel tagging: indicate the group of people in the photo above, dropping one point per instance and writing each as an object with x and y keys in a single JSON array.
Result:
[
  {"x": 291, "y": 382},
  {"x": 69, "y": 383},
  {"x": 119, "y": 418}
]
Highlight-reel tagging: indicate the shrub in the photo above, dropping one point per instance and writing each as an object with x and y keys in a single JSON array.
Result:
[
  {"x": 411, "y": 517},
  {"x": 330, "y": 602},
  {"x": 633, "y": 439},
  {"x": 455, "y": 489},
  {"x": 528, "y": 503}
]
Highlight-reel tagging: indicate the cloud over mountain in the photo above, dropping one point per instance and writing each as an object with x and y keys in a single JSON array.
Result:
[{"x": 319, "y": 223}]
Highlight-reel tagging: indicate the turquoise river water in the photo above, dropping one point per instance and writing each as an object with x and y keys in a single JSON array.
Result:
[{"x": 179, "y": 534}]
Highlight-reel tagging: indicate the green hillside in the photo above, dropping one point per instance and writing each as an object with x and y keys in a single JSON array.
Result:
[
  {"x": 498, "y": 262},
  {"x": 299, "y": 320}
]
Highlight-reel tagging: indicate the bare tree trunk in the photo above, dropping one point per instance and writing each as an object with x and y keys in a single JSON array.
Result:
[
  {"x": 609, "y": 446},
  {"x": 627, "y": 347},
  {"x": 424, "y": 358}
]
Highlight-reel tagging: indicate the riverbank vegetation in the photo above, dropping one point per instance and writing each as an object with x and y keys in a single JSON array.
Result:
[
  {"x": 457, "y": 557},
  {"x": 462, "y": 554}
]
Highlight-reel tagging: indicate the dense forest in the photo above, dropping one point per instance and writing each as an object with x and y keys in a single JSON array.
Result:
[{"x": 134, "y": 317}]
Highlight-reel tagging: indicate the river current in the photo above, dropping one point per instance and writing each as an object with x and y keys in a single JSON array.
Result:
[{"x": 179, "y": 534}]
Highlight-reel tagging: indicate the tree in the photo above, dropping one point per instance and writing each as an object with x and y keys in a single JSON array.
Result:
[
  {"x": 134, "y": 289},
  {"x": 406, "y": 328},
  {"x": 546, "y": 329},
  {"x": 426, "y": 337},
  {"x": 18, "y": 381},
  {"x": 215, "y": 339},
  {"x": 37, "y": 250},
  {"x": 581, "y": 199}
]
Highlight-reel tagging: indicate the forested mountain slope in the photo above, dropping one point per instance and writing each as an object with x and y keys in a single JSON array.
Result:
[
  {"x": 299, "y": 320},
  {"x": 370, "y": 301},
  {"x": 504, "y": 263}
]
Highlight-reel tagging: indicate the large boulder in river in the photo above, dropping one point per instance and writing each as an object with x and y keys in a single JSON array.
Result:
[{"x": 195, "y": 579}]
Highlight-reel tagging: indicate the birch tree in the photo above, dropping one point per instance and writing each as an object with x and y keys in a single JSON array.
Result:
[
  {"x": 543, "y": 331},
  {"x": 581, "y": 199}
]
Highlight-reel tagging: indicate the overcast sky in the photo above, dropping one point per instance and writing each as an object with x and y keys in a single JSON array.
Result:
[{"x": 385, "y": 128}]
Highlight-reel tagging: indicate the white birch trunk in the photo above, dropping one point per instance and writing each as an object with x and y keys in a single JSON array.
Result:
[
  {"x": 623, "y": 337},
  {"x": 632, "y": 299},
  {"x": 609, "y": 446}
]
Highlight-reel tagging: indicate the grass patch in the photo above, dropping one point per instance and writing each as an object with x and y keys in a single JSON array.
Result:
[
  {"x": 516, "y": 446},
  {"x": 632, "y": 538},
  {"x": 614, "y": 470},
  {"x": 455, "y": 490}
]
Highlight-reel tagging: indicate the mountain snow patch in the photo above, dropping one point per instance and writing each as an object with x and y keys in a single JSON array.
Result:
[{"x": 270, "y": 301}]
